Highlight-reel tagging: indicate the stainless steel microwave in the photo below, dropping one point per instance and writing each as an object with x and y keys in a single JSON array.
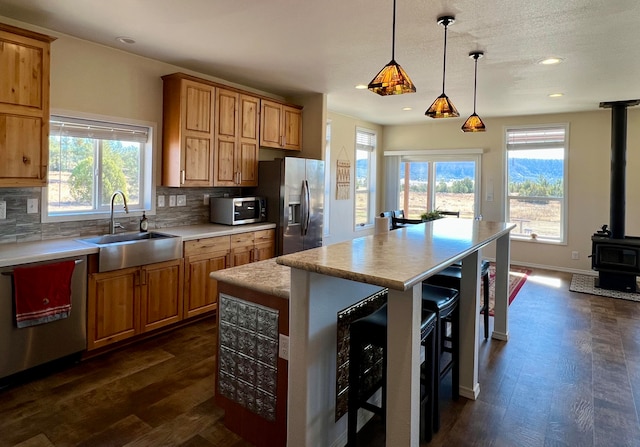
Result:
[{"x": 237, "y": 210}]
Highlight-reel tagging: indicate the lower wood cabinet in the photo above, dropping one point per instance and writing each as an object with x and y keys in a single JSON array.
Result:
[
  {"x": 206, "y": 255},
  {"x": 161, "y": 294},
  {"x": 203, "y": 256},
  {"x": 113, "y": 307},
  {"x": 128, "y": 302},
  {"x": 124, "y": 303},
  {"x": 264, "y": 245}
]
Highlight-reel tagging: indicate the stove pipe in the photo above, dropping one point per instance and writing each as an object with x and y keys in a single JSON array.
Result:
[{"x": 618, "y": 164}]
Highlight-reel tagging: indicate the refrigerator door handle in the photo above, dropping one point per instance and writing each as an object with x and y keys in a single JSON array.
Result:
[{"x": 305, "y": 208}]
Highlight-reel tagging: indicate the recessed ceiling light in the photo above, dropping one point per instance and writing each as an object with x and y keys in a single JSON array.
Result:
[
  {"x": 550, "y": 61},
  {"x": 556, "y": 95},
  {"x": 361, "y": 86},
  {"x": 407, "y": 108},
  {"x": 127, "y": 40}
]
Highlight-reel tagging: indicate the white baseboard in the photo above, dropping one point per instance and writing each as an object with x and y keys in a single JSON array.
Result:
[{"x": 554, "y": 268}]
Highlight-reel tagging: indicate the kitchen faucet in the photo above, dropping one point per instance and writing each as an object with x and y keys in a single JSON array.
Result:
[{"x": 113, "y": 225}]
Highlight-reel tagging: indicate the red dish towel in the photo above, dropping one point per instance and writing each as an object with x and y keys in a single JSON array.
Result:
[{"x": 42, "y": 293}]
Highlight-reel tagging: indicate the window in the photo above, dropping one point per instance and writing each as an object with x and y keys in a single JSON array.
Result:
[
  {"x": 439, "y": 182},
  {"x": 89, "y": 160},
  {"x": 536, "y": 186},
  {"x": 365, "y": 177}
]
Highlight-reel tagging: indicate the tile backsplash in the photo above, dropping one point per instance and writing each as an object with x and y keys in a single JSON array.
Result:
[{"x": 19, "y": 226}]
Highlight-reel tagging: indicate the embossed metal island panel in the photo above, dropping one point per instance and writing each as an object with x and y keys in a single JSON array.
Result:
[
  {"x": 372, "y": 360},
  {"x": 248, "y": 338}
]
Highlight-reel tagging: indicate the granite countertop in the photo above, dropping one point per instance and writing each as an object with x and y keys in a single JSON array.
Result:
[
  {"x": 401, "y": 258},
  {"x": 265, "y": 276},
  {"x": 48, "y": 250}
]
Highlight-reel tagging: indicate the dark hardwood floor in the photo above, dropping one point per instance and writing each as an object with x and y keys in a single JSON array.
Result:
[{"x": 569, "y": 376}]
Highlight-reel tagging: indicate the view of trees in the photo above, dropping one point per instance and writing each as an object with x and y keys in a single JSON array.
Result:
[{"x": 80, "y": 158}]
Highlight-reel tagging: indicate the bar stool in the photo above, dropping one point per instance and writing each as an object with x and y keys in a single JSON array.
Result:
[
  {"x": 372, "y": 330},
  {"x": 451, "y": 276},
  {"x": 444, "y": 303}
]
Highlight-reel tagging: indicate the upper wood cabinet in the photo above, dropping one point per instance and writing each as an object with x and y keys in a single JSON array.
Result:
[
  {"x": 236, "y": 139},
  {"x": 24, "y": 107},
  {"x": 188, "y": 131},
  {"x": 212, "y": 133},
  {"x": 280, "y": 126}
]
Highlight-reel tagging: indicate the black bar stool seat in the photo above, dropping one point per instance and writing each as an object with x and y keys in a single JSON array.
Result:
[
  {"x": 444, "y": 302},
  {"x": 372, "y": 330},
  {"x": 451, "y": 276}
]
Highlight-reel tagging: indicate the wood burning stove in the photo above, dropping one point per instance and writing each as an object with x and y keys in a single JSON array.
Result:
[
  {"x": 617, "y": 261},
  {"x": 615, "y": 256}
]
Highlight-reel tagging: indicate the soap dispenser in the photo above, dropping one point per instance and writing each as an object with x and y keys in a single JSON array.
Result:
[{"x": 144, "y": 222}]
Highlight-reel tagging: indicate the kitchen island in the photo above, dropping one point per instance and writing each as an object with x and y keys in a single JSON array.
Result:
[
  {"x": 327, "y": 279},
  {"x": 251, "y": 377}
]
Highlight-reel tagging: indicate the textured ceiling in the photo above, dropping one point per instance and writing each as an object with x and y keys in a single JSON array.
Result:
[{"x": 292, "y": 47}]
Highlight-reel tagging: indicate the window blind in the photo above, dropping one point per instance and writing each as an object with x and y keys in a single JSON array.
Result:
[
  {"x": 542, "y": 138},
  {"x": 61, "y": 126},
  {"x": 365, "y": 141}
]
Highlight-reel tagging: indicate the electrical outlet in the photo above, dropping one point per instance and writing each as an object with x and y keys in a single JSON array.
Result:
[
  {"x": 182, "y": 200},
  {"x": 32, "y": 206},
  {"x": 160, "y": 201},
  {"x": 3, "y": 209},
  {"x": 205, "y": 200},
  {"x": 283, "y": 350},
  {"x": 172, "y": 200},
  {"x": 575, "y": 255}
]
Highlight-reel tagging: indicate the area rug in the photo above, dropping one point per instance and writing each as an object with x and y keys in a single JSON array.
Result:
[
  {"x": 586, "y": 284},
  {"x": 517, "y": 278}
]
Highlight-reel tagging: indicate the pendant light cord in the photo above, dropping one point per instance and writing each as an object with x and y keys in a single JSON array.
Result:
[
  {"x": 393, "y": 34},
  {"x": 475, "y": 83},
  {"x": 444, "y": 62}
]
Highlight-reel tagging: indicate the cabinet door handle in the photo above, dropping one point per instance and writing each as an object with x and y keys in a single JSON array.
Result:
[
  {"x": 183, "y": 176},
  {"x": 26, "y": 160}
]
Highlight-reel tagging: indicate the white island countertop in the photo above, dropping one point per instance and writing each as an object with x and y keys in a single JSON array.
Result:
[{"x": 401, "y": 258}]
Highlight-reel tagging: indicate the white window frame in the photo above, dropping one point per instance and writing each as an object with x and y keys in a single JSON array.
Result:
[
  {"x": 327, "y": 182},
  {"x": 394, "y": 158},
  {"x": 360, "y": 145},
  {"x": 565, "y": 182},
  {"x": 148, "y": 167}
]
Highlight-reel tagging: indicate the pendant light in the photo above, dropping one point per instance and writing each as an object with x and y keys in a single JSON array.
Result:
[
  {"x": 442, "y": 107},
  {"x": 392, "y": 79},
  {"x": 474, "y": 123}
]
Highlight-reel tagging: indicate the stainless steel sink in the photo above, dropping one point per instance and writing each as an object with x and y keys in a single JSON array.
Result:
[{"x": 118, "y": 251}]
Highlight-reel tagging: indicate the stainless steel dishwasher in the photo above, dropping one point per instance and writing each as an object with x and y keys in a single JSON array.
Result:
[{"x": 21, "y": 349}]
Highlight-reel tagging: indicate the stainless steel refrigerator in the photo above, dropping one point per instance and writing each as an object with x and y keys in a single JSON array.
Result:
[{"x": 294, "y": 189}]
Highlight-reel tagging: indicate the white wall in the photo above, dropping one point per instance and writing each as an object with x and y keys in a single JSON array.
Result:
[
  {"x": 588, "y": 174},
  {"x": 343, "y": 144}
]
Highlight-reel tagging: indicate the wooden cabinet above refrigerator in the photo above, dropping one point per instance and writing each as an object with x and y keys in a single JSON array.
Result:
[{"x": 212, "y": 132}]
